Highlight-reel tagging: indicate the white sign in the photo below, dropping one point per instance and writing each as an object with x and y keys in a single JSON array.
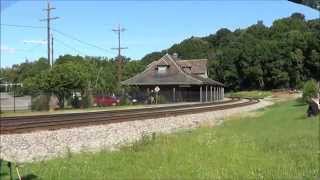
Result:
[{"x": 157, "y": 89}]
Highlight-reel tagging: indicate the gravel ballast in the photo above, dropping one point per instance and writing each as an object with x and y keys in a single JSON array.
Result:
[{"x": 43, "y": 145}]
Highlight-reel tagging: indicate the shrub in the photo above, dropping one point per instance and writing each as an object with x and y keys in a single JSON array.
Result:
[
  {"x": 125, "y": 101},
  {"x": 87, "y": 101},
  {"x": 310, "y": 90},
  {"x": 162, "y": 100},
  {"x": 146, "y": 139},
  {"x": 40, "y": 103}
]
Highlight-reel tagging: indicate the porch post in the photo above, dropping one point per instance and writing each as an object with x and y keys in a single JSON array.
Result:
[
  {"x": 214, "y": 93},
  {"x": 174, "y": 94},
  {"x": 211, "y": 93},
  {"x": 148, "y": 96},
  {"x": 219, "y": 93},
  {"x": 222, "y": 92},
  {"x": 200, "y": 93},
  {"x": 206, "y": 93}
]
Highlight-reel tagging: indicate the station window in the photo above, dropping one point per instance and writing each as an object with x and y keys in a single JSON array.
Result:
[{"x": 162, "y": 69}]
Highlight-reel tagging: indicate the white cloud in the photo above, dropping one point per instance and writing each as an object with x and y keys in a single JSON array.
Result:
[
  {"x": 35, "y": 42},
  {"x": 6, "y": 49}
]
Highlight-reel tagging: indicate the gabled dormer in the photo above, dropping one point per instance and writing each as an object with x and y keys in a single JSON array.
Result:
[{"x": 162, "y": 68}]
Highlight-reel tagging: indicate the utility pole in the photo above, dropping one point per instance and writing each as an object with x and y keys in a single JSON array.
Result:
[
  {"x": 48, "y": 19},
  {"x": 52, "y": 57},
  {"x": 119, "y": 48}
]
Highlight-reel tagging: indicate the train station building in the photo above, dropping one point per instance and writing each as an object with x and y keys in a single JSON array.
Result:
[{"x": 178, "y": 80}]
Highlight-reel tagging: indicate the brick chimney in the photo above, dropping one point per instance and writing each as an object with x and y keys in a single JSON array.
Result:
[{"x": 175, "y": 56}]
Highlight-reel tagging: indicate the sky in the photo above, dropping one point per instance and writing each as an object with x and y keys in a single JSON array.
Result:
[{"x": 150, "y": 25}]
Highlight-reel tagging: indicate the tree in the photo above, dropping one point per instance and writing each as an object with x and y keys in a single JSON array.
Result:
[
  {"x": 310, "y": 90},
  {"x": 191, "y": 48},
  {"x": 147, "y": 59},
  {"x": 64, "y": 79},
  {"x": 132, "y": 68},
  {"x": 296, "y": 67}
]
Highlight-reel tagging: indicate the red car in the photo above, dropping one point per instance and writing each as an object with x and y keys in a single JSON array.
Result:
[{"x": 106, "y": 100}]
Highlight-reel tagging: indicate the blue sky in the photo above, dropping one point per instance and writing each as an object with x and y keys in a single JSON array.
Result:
[{"x": 151, "y": 25}]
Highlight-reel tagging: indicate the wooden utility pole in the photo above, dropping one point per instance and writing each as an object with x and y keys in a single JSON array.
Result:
[
  {"x": 52, "y": 57},
  {"x": 119, "y": 48},
  {"x": 48, "y": 19}
]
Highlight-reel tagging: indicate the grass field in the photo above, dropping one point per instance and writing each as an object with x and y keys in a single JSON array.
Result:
[
  {"x": 250, "y": 94},
  {"x": 278, "y": 142}
]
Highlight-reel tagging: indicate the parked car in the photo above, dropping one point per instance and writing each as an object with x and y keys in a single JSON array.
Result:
[{"x": 106, "y": 100}]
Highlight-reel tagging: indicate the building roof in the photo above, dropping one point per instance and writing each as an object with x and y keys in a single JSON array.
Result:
[
  {"x": 197, "y": 66},
  {"x": 179, "y": 72}
]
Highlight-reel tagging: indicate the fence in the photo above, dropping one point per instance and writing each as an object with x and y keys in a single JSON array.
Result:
[{"x": 9, "y": 102}]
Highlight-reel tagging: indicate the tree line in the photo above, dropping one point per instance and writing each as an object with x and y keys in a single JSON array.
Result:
[
  {"x": 283, "y": 55},
  {"x": 69, "y": 75}
]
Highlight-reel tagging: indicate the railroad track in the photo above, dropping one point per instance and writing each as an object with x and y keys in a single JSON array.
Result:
[{"x": 24, "y": 124}]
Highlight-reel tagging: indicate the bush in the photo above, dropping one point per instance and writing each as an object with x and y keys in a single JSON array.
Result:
[
  {"x": 125, "y": 101},
  {"x": 87, "y": 101},
  {"x": 40, "y": 103},
  {"x": 162, "y": 100},
  {"x": 310, "y": 90}
]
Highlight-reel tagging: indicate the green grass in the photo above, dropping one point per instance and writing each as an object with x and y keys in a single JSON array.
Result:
[
  {"x": 279, "y": 143},
  {"x": 250, "y": 94}
]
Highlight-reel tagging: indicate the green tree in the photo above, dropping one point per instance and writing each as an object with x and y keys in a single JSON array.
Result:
[
  {"x": 310, "y": 90},
  {"x": 64, "y": 79}
]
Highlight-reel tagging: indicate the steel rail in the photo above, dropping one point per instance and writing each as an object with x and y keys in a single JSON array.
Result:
[
  {"x": 85, "y": 116},
  {"x": 48, "y": 124},
  {"x": 15, "y": 119}
]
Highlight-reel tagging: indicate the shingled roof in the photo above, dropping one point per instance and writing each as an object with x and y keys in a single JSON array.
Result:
[
  {"x": 197, "y": 66},
  {"x": 179, "y": 72}
]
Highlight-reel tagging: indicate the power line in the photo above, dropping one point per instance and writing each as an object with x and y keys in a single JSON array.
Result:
[
  {"x": 6, "y": 4},
  {"x": 61, "y": 33},
  {"x": 23, "y": 26},
  {"x": 68, "y": 46},
  {"x": 33, "y": 48},
  {"x": 81, "y": 41}
]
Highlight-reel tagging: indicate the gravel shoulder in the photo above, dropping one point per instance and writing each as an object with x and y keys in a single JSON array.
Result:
[{"x": 43, "y": 145}]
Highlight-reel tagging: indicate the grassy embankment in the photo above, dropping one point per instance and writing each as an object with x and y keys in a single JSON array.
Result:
[
  {"x": 279, "y": 142},
  {"x": 250, "y": 94}
]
